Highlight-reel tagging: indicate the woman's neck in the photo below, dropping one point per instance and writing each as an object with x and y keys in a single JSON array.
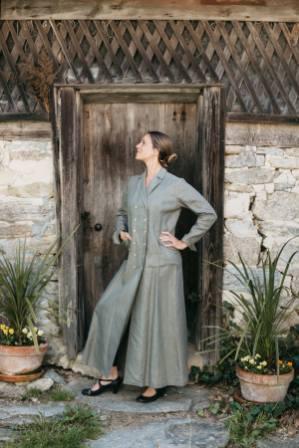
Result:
[{"x": 152, "y": 169}]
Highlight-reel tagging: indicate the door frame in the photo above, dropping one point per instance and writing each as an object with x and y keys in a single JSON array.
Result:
[{"x": 68, "y": 102}]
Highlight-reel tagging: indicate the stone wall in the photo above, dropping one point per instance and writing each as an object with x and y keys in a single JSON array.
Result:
[
  {"x": 261, "y": 206},
  {"x": 261, "y": 200},
  {"x": 27, "y": 205}
]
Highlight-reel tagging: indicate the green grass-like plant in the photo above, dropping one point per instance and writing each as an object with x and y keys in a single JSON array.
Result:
[
  {"x": 22, "y": 281},
  {"x": 264, "y": 314},
  {"x": 56, "y": 393},
  {"x": 69, "y": 430}
]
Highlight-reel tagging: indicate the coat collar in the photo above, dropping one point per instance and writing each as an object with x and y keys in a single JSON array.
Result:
[{"x": 155, "y": 181}]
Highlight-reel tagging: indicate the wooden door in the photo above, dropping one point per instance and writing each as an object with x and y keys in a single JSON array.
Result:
[{"x": 107, "y": 126}]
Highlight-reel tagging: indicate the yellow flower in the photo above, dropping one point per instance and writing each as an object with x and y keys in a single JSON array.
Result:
[
  {"x": 5, "y": 331},
  {"x": 11, "y": 331},
  {"x": 252, "y": 361},
  {"x": 259, "y": 367},
  {"x": 25, "y": 331}
]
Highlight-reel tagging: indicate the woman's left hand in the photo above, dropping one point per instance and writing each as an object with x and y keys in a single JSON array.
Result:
[{"x": 170, "y": 240}]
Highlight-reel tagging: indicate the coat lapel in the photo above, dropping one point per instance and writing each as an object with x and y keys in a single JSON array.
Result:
[
  {"x": 156, "y": 180},
  {"x": 144, "y": 191}
]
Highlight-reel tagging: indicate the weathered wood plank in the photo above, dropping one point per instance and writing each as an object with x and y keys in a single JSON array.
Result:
[
  {"x": 261, "y": 10},
  {"x": 69, "y": 274},
  {"x": 284, "y": 135},
  {"x": 261, "y": 118},
  {"x": 25, "y": 129},
  {"x": 211, "y": 147}
]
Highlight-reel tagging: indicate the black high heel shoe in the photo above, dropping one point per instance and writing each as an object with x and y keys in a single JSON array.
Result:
[
  {"x": 113, "y": 385},
  {"x": 159, "y": 393}
]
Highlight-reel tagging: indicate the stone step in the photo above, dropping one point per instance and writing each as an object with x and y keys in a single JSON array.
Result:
[{"x": 171, "y": 433}]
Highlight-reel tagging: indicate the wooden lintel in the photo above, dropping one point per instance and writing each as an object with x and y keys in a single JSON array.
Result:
[
  {"x": 22, "y": 127},
  {"x": 249, "y": 10}
]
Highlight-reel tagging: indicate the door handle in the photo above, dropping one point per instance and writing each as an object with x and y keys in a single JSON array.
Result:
[{"x": 98, "y": 227}]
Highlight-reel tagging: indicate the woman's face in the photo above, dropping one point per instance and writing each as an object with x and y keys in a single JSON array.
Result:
[{"x": 145, "y": 150}]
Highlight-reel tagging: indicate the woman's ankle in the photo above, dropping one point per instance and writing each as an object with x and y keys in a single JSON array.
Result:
[{"x": 113, "y": 373}]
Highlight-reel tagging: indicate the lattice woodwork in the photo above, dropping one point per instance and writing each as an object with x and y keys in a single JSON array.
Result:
[{"x": 257, "y": 62}]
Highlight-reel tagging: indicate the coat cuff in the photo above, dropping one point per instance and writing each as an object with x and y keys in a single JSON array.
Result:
[
  {"x": 190, "y": 245},
  {"x": 115, "y": 237}
]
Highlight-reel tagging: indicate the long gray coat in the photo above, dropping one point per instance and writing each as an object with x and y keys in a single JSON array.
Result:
[{"x": 147, "y": 290}]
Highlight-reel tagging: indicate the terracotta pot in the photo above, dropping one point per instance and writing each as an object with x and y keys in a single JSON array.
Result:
[
  {"x": 264, "y": 388},
  {"x": 21, "y": 359}
]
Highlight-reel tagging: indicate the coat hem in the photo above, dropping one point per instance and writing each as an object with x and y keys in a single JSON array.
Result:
[{"x": 178, "y": 383}]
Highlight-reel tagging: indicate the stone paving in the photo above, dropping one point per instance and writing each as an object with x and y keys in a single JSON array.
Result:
[{"x": 170, "y": 422}]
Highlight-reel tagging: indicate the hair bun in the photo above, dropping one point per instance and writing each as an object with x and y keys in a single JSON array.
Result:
[{"x": 172, "y": 157}]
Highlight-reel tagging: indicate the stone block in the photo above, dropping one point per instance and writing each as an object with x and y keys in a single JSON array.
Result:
[
  {"x": 236, "y": 205},
  {"x": 282, "y": 162},
  {"x": 284, "y": 181},
  {"x": 279, "y": 205},
  {"x": 21, "y": 209},
  {"x": 270, "y": 151},
  {"x": 295, "y": 173},
  {"x": 293, "y": 152},
  {"x": 269, "y": 188},
  {"x": 233, "y": 149},
  {"x": 172, "y": 433},
  {"x": 245, "y": 158},
  {"x": 257, "y": 175},
  {"x": 241, "y": 228},
  {"x": 37, "y": 189},
  {"x": 249, "y": 248},
  {"x": 241, "y": 188},
  {"x": 42, "y": 384}
]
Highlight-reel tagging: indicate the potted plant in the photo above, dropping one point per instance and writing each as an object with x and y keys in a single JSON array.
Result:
[
  {"x": 264, "y": 377},
  {"x": 23, "y": 279}
]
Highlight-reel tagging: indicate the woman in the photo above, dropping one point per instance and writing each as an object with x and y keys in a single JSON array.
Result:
[{"x": 146, "y": 294}]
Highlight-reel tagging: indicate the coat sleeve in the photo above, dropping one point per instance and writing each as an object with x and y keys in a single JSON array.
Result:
[
  {"x": 121, "y": 222},
  {"x": 189, "y": 197}
]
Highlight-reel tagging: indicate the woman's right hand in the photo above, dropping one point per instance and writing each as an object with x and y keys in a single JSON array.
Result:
[{"x": 124, "y": 236}]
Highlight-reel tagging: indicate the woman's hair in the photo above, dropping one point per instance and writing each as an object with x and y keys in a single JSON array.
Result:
[{"x": 163, "y": 143}]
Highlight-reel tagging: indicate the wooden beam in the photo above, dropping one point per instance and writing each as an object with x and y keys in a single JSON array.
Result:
[
  {"x": 251, "y": 10},
  {"x": 24, "y": 127},
  {"x": 70, "y": 279},
  {"x": 211, "y": 128}
]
